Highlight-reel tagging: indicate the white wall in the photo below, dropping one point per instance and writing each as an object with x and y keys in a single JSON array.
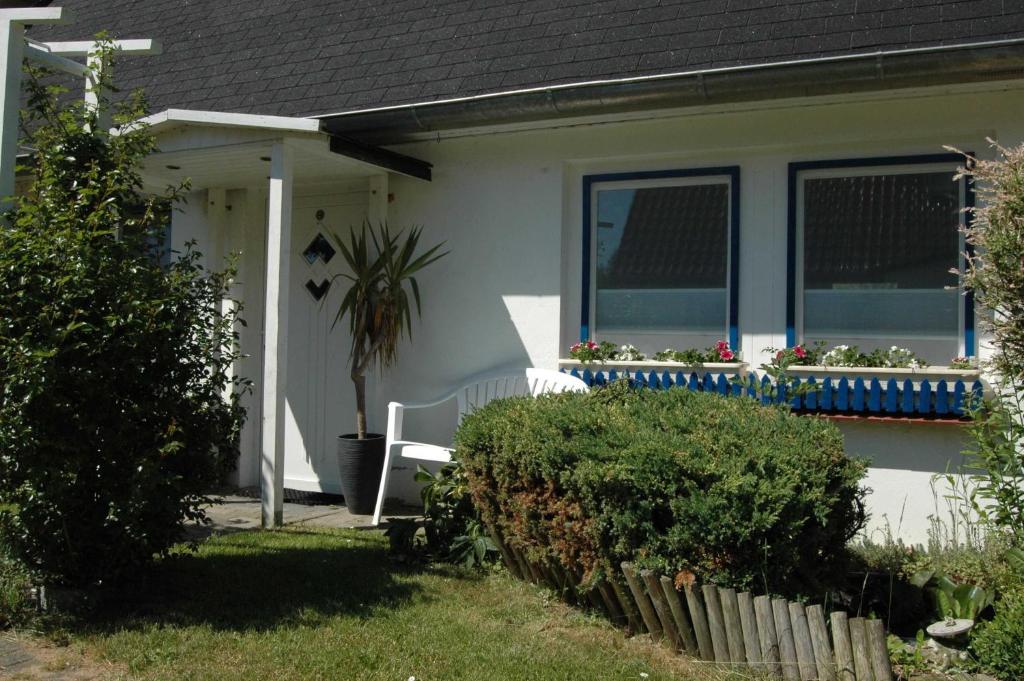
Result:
[{"x": 509, "y": 206}]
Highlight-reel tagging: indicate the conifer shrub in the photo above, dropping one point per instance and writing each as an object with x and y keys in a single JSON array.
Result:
[{"x": 693, "y": 485}]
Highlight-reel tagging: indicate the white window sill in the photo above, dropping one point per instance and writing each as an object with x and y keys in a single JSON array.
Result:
[
  {"x": 647, "y": 366},
  {"x": 931, "y": 374}
]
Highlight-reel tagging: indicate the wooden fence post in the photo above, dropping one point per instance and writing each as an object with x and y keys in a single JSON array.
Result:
[
  {"x": 787, "y": 648},
  {"x": 819, "y": 640},
  {"x": 859, "y": 643},
  {"x": 716, "y": 623},
  {"x": 878, "y": 650},
  {"x": 766, "y": 635},
  {"x": 633, "y": 617},
  {"x": 611, "y": 604},
  {"x": 698, "y": 616},
  {"x": 802, "y": 639},
  {"x": 748, "y": 621},
  {"x": 843, "y": 647},
  {"x": 733, "y": 627},
  {"x": 661, "y": 608},
  {"x": 642, "y": 601},
  {"x": 675, "y": 605},
  {"x": 510, "y": 561}
]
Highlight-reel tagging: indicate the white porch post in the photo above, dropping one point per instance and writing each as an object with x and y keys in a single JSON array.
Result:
[
  {"x": 275, "y": 334},
  {"x": 12, "y": 51}
]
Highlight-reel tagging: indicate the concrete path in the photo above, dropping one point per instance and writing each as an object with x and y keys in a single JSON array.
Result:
[{"x": 243, "y": 513}]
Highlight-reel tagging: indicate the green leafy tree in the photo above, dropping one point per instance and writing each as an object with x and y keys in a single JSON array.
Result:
[
  {"x": 118, "y": 409},
  {"x": 995, "y": 273}
]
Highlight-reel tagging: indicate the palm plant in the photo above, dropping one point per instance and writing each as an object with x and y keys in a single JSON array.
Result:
[{"x": 377, "y": 303}]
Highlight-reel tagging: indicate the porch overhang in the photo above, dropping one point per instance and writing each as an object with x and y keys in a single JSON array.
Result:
[
  {"x": 217, "y": 152},
  {"x": 213, "y": 149}
]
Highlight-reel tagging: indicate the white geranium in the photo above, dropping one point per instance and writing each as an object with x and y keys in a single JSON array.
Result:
[
  {"x": 835, "y": 356},
  {"x": 629, "y": 353}
]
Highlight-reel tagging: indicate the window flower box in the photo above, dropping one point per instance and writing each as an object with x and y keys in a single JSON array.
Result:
[
  {"x": 706, "y": 377},
  {"x": 934, "y": 392}
]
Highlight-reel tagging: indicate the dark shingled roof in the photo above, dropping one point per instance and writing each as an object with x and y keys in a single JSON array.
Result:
[{"x": 306, "y": 57}]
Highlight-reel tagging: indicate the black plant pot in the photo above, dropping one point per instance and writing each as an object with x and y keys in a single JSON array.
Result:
[{"x": 360, "y": 463}]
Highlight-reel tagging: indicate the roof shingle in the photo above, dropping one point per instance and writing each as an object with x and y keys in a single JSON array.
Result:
[{"x": 325, "y": 56}]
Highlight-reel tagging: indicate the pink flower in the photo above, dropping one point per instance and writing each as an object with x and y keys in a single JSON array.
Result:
[
  {"x": 722, "y": 346},
  {"x": 726, "y": 354},
  {"x": 778, "y": 356},
  {"x": 799, "y": 351},
  {"x": 591, "y": 345},
  {"x": 575, "y": 347}
]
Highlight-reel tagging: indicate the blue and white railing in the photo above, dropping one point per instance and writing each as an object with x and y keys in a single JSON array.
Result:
[{"x": 894, "y": 393}]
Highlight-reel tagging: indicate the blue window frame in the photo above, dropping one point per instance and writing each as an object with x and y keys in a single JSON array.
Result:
[
  {"x": 677, "y": 303},
  {"x": 870, "y": 242}
]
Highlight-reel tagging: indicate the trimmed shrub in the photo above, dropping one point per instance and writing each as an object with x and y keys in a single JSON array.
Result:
[{"x": 690, "y": 484}]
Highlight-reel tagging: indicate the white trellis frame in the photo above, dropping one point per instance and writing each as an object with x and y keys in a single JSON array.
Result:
[{"x": 15, "y": 47}]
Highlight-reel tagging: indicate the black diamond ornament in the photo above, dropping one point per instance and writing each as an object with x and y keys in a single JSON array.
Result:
[
  {"x": 320, "y": 291},
  {"x": 319, "y": 247}
]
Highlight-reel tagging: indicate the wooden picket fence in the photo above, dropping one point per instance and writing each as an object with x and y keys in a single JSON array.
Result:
[{"x": 769, "y": 635}]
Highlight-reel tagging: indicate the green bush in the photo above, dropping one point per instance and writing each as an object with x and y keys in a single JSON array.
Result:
[
  {"x": 114, "y": 421},
  {"x": 682, "y": 482},
  {"x": 15, "y": 583},
  {"x": 999, "y": 645}
]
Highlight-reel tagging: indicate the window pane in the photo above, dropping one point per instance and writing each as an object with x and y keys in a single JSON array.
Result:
[
  {"x": 878, "y": 250},
  {"x": 661, "y": 258}
]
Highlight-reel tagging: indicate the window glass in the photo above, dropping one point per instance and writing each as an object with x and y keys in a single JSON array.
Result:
[
  {"x": 661, "y": 258},
  {"x": 877, "y": 255}
]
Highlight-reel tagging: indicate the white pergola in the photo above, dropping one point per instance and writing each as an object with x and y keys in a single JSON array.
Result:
[
  {"x": 15, "y": 47},
  {"x": 217, "y": 151}
]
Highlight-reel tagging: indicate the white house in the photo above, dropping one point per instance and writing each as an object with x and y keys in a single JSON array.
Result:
[{"x": 766, "y": 172}]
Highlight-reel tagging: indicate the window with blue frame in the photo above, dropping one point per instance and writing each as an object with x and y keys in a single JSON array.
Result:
[
  {"x": 875, "y": 248},
  {"x": 660, "y": 251}
]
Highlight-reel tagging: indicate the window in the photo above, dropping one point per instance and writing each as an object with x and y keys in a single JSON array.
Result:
[
  {"x": 660, "y": 249},
  {"x": 871, "y": 257}
]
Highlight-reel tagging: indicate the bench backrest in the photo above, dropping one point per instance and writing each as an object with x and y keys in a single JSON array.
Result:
[{"x": 524, "y": 382}]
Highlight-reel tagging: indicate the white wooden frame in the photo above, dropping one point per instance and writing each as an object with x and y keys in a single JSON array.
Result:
[
  {"x": 596, "y": 330},
  {"x": 864, "y": 171}
]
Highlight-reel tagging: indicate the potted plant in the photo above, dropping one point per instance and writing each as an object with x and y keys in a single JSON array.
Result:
[{"x": 379, "y": 302}]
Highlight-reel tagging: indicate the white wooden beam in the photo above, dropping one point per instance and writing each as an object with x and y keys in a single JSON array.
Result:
[
  {"x": 39, "y": 53},
  {"x": 12, "y": 50},
  {"x": 275, "y": 333},
  {"x": 83, "y": 48}
]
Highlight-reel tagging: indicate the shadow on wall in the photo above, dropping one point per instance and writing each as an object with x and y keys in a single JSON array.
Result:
[
  {"x": 449, "y": 344},
  {"x": 906, "y": 465}
]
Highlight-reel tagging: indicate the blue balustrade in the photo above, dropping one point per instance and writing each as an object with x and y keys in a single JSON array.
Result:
[{"x": 854, "y": 396}]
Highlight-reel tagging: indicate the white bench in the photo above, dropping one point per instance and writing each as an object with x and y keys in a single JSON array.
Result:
[{"x": 477, "y": 392}]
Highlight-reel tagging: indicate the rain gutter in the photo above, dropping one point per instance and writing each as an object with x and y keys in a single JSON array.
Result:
[{"x": 847, "y": 74}]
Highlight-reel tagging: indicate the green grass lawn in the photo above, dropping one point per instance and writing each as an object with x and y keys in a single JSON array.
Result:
[{"x": 328, "y": 604}]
